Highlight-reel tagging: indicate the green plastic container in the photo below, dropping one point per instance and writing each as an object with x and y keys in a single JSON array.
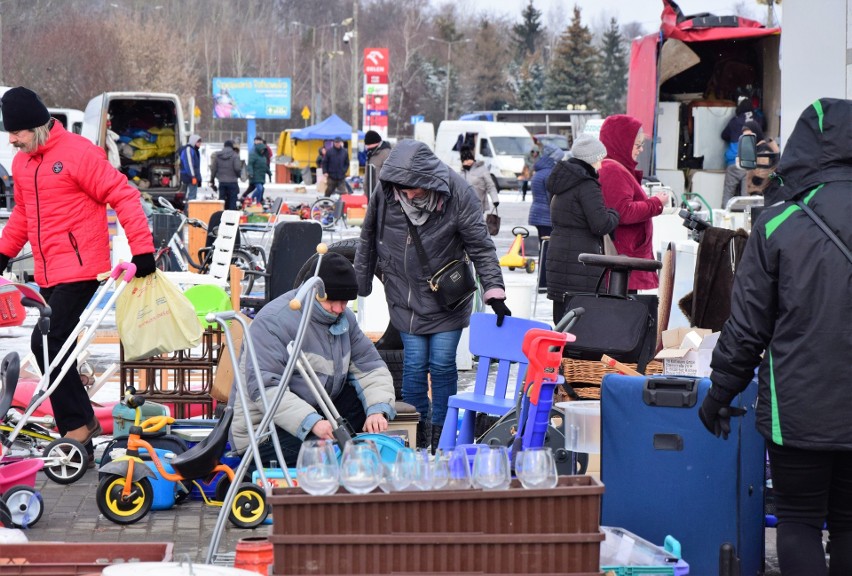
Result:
[{"x": 206, "y": 298}]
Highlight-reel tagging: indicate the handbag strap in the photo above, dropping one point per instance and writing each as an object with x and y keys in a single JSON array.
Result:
[
  {"x": 418, "y": 245},
  {"x": 824, "y": 227}
]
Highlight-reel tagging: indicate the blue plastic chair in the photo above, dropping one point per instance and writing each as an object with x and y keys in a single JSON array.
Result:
[{"x": 488, "y": 342}]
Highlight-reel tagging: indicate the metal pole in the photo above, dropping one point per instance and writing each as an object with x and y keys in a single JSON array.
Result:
[
  {"x": 447, "y": 91},
  {"x": 313, "y": 70},
  {"x": 353, "y": 146}
]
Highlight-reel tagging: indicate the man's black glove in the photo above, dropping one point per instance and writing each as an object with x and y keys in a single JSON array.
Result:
[
  {"x": 500, "y": 308},
  {"x": 496, "y": 204},
  {"x": 4, "y": 261},
  {"x": 213, "y": 186},
  {"x": 145, "y": 264},
  {"x": 716, "y": 416}
]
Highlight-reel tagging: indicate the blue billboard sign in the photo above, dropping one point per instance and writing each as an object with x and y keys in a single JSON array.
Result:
[{"x": 251, "y": 98}]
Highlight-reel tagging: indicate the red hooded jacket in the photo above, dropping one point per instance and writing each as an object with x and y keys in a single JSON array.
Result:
[
  {"x": 621, "y": 189},
  {"x": 61, "y": 193}
]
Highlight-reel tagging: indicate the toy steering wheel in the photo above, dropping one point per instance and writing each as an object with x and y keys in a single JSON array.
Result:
[{"x": 520, "y": 231}]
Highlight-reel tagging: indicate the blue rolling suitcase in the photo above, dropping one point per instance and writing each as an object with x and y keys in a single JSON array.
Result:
[{"x": 666, "y": 474}]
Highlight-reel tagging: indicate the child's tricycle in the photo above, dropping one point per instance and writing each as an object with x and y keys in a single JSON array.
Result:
[
  {"x": 517, "y": 256},
  {"x": 125, "y": 494}
]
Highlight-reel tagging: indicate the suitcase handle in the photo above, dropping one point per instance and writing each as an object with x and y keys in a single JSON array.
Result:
[{"x": 671, "y": 391}]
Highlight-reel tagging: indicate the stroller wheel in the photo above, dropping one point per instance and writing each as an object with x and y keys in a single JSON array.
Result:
[
  {"x": 5, "y": 515},
  {"x": 24, "y": 505},
  {"x": 115, "y": 507},
  {"x": 65, "y": 461},
  {"x": 249, "y": 508}
]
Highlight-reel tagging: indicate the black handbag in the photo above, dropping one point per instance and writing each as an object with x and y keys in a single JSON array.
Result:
[
  {"x": 492, "y": 220},
  {"x": 453, "y": 284}
]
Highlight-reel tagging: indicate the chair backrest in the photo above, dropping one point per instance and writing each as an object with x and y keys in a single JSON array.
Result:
[
  {"x": 292, "y": 244},
  {"x": 223, "y": 246},
  {"x": 488, "y": 341}
]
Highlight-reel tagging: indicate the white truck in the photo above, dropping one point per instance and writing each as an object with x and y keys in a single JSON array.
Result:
[
  {"x": 150, "y": 130},
  {"x": 502, "y": 145}
]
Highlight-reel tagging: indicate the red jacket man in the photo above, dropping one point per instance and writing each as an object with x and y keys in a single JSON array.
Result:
[{"x": 63, "y": 183}]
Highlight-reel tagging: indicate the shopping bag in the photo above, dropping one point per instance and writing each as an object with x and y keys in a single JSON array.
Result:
[
  {"x": 154, "y": 317},
  {"x": 492, "y": 220}
]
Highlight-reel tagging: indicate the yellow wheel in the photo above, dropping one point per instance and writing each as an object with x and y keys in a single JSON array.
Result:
[
  {"x": 248, "y": 510},
  {"x": 115, "y": 507}
]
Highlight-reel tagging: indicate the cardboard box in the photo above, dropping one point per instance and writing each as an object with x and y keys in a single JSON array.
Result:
[{"x": 687, "y": 351}]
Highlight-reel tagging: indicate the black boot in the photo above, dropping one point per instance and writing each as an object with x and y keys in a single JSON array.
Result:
[
  {"x": 436, "y": 437},
  {"x": 424, "y": 433}
]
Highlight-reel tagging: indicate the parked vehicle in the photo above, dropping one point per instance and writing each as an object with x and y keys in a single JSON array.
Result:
[
  {"x": 502, "y": 145},
  {"x": 150, "y": 129},
  {"x": 72, "y": 119}
]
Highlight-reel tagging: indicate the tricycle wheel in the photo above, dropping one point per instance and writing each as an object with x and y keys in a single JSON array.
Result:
[
  {"x": 248, "y": 509},
  {"x": 511, "y": 268},
  {"x": 120, "y": 510},
  {"x": 66, "y": 461},
  {"x": 5, "y": 515},
  {"x": 24, "y": 504},
  {"x": 530, "y": 266},
  {"x": 222, "y": 488}
]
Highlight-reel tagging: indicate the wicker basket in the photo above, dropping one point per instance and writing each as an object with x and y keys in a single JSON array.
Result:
[{"x": 585, "y": 376}]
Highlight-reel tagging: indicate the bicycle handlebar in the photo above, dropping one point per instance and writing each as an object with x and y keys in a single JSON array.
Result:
[{"x": 163, "y": 201}]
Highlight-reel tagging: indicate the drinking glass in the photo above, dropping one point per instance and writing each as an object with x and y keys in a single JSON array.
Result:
[
  {"x": 404, "y": 469},
  {"x": 360, "y": 468},
  {"x": 423, "y": 470},
  {"x": 459, "y": 469},
  {"x": 536, "y": 468},
  {"x": 491, "y": 470},
  {"x": 440, "y": 470},
  {"x": 316, "y": 468}
]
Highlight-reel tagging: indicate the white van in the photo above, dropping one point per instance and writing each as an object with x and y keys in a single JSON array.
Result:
[
  {"x": 502, "y": 145},
  {"x": 71, "y": 119},
  {"x": 150, "y": 132}
]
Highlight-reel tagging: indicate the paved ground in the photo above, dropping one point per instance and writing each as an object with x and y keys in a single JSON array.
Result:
[{"x": 71, "y": 514}]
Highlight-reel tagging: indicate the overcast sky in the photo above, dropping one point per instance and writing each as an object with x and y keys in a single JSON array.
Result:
[{"x": 647, "y": 12}]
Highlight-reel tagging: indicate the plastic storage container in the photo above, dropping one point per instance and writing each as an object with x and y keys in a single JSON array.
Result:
[
  {"x": 66, "y": 559},
  {"x": 513, "y": 531},
  {"x": 582, "y": 426},
  {"x": 123, "y": 417},
  {"x": 638, "y": 556}
]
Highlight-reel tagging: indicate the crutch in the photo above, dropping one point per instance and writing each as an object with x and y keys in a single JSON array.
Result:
[
  {"x": 45, "y": 388},
  {"x": 312, "y": 287}
]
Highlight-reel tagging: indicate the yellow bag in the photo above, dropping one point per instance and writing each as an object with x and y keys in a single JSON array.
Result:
[{"x": 154, "y": 317}]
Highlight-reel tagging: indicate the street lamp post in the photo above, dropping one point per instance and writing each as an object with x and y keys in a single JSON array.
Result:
[
  {"x": 353, "y": 147},
  {"x": 449, "y": 44}
]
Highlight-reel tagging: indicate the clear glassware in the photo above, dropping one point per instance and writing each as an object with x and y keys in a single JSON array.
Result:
[
  {"x": 440, "y": 470},
  {"x": 536, "y": 468},
  {"x": 361, "y": 468},
  {"x": 404, "y": 469},
  {"x": 491, "y": 470},
  {"x": 459, "y": 470},
  {"x": 317, "y": 470},
  {"x": 423, "y": 470}
]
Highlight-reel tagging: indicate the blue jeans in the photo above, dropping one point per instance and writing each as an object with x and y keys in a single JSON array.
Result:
[
  {"x": 228, "y": 192},
  {"x": 257, "y": 193},
  {"x": 433, "y": 355}
]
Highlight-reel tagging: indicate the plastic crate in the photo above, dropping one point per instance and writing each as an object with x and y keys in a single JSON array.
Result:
[
  {"x": 662, "y": 560},
  {"x": 513, "y": 531},
  {"x": 73, "y": 558}
]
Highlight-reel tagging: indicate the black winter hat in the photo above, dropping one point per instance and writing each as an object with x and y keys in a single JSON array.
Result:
[
  {"x": 372, "y": 137},
  {"x": 23, "y": 110},
  {"x": 466, "y": 153},
  {"x": 228, "y": 144},
  {"x": 338, "y": 275}
]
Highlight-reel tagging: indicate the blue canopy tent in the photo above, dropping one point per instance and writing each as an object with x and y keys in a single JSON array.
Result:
[{"x": 328, "y": 129}]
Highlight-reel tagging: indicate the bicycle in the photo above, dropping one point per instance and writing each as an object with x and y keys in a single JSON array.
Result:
[
  {"x": 252, "y": 258},
  {"x": 125, "y": 494},
  {"x": 328, "y": 212}
]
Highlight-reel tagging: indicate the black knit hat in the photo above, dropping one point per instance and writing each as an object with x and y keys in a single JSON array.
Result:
[
  {"x": 338, "y": 275},
  {"x": 372, "y": 137},
  {"x": 23, "y": 110}
]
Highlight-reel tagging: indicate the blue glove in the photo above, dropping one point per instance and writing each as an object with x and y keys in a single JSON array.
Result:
[{"x": 500, "y": 308}]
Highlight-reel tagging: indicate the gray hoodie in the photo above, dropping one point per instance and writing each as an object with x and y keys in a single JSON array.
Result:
[{"x": 225, "y": 165}]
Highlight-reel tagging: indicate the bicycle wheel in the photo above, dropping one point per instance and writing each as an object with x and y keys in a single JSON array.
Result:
[
  {"x": 244, "y": 261},
  {"x": 163, "y": 261},
  {"x": 321, "y": 209}
]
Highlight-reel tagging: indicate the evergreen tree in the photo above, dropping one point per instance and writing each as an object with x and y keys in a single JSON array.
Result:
[
  {"x": 613, "y": 71},
  {"x": 487, "y": 74},
  {"x": 572, "y": 79},
  {"x": 530, "y": 89},
  {"x": 527, "y": 35}
]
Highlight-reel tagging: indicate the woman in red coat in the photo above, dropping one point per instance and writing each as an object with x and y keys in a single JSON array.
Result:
[{"x": 620, "y": 182}]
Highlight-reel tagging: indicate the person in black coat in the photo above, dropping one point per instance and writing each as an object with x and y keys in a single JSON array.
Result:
[{"x": 580, "y": 221}]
